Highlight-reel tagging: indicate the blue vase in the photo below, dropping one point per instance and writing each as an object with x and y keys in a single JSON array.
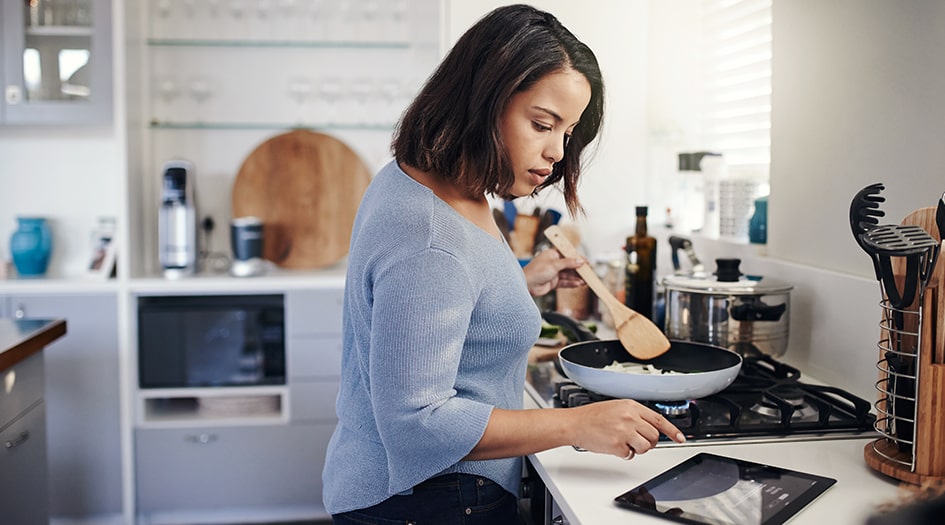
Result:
[
  {"x": 758, "y": 224},
  {"x": 30, "y": 246}
]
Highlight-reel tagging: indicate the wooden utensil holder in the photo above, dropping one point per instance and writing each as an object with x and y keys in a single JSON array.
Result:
[{"x": 912, "y": 448}]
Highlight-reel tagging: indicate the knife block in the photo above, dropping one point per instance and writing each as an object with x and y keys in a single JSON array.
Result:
[{"x": 918, "y": 457}]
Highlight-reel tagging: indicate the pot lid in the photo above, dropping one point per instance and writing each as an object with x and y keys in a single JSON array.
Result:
[{"x": 727, "y": 280}]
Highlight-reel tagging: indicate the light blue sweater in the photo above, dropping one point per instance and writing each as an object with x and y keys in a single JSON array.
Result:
[{"x": 438, "y": 322}]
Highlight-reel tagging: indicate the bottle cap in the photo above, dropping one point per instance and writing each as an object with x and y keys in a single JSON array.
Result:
[{"x": 641, "y": 211}]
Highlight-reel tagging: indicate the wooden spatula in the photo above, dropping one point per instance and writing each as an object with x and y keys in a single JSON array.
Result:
[{"x": 639, "y": 336}]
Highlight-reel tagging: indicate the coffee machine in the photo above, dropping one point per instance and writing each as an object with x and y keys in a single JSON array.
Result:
[{"x": 177, "y": 223}]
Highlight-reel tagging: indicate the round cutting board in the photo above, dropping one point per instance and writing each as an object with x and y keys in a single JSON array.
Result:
[{"x": 306, "y": 187}]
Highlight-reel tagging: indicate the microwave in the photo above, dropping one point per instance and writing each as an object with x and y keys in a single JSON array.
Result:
[{"x": 211, "y": 341}]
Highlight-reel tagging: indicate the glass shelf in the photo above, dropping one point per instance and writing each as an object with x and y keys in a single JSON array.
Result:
[
  {"x": 326, "y": 44},
  {"x": 58, "y": 31},
  {"x": 267, "y": 125}
]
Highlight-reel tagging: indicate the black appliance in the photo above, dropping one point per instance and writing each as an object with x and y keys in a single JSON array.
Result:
[
  {"x": 766, "y": 400},
  {"x": 209, "y": 341}
]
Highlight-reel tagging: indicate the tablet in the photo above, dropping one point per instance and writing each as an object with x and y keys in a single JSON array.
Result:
[{"x": 719, "y": 490}]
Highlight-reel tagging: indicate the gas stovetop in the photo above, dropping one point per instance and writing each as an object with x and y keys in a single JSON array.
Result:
[{"x": 767, "y": 401}]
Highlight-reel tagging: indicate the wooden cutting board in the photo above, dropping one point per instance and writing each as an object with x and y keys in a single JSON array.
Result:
[{"x": 306, "y": 187}]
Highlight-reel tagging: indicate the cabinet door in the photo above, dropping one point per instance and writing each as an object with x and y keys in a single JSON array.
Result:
[
  {"x": 82, "y": 402},
  {"x": 23, "y": 469},
  {"x": 57, "y": 62},
  {"x": 233, "y": 468}
]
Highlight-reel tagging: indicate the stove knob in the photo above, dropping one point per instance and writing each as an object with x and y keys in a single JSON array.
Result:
[
  {"x": 565, "y": 390},
  {"x": 578, "y": 398}
]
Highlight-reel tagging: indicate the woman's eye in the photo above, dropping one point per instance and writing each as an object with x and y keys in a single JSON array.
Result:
[{"x": 541, "y": 127}]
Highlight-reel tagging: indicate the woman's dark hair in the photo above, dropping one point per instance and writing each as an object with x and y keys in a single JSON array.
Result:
[{"x": 452, "y": 127}]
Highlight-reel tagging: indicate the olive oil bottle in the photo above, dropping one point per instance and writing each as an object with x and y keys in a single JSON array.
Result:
[{"x": 641, "y": 268}]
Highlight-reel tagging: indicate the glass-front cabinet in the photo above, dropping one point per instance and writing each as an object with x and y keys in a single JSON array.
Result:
[{"x": 57, "y": 62}]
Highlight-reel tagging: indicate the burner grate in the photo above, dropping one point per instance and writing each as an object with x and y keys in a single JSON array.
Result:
[{"x": 766, "y": 399}]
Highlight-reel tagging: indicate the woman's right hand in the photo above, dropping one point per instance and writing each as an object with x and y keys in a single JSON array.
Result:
[{"x": 621, "y": 427}]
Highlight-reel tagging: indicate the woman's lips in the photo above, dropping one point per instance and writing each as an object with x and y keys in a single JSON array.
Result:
[{"x": 539, "y": 175}]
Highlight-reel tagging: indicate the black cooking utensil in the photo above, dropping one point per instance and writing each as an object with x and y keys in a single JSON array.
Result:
[
  {"x": 864, "y": 213},
  {"x": 940, "y": 217},
  {"x": 911, "y": 242}
]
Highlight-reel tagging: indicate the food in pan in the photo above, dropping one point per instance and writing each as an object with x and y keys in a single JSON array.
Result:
[{"x": 639, "y": 368}]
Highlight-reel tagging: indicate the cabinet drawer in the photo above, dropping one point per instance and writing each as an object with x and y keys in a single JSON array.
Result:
[
  {"x": 314, "y": 311},
  {"x": 23, "y": 470},
  {"x": 204, "y": 469},
  {"x": 313, "y": 400},
  {"x": 21, "y": 386},
  {"x": 313, "y": 357}
]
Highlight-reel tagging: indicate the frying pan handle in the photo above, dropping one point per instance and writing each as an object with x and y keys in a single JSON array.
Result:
[{"x": 577, "y": 328}]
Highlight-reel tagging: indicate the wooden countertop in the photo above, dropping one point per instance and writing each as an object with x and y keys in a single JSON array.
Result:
[{"x": 21, "y": 338}]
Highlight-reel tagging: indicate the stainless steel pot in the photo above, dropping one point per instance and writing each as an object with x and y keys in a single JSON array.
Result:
[{"x": 744, "y": 313}]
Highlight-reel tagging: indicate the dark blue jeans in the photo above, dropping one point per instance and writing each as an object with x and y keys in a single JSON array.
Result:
[{"x": 451, "y": 499}]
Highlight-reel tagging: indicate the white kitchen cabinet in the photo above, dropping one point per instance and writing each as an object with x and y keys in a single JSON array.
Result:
[
  {"x": 82, "y": 402},
  {"x": 262, "y": 471},
  {"x": 193, "y": 467},
  {"x": 23, "y": 443},
  {"x": 22, "y": 461},
  {"x": 57, "y": 62}
]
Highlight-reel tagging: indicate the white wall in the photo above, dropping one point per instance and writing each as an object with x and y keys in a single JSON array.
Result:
[{"x": 858, "y": 96}]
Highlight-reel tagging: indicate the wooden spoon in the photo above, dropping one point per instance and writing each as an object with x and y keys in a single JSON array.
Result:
[{"x": 639, "y": 336}]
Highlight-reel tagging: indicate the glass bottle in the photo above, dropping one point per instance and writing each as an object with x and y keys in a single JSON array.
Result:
[{"x": 641, "y": 268}]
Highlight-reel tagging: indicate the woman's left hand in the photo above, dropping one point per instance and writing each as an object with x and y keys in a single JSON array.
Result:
[{"x": 549, "y": 270}]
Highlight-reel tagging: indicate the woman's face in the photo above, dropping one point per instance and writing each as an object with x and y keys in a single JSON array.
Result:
[{"x": 537, "y": 123}]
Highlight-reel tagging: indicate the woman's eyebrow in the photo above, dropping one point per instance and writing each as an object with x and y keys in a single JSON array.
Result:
[{"x": 552, "y": 114}]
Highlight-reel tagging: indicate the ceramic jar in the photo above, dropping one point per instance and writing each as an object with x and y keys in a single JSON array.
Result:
[{"x": 30, "y": 246}]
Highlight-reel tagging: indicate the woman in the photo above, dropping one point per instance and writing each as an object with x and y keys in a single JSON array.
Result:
[{"x": 438, "y": 315}]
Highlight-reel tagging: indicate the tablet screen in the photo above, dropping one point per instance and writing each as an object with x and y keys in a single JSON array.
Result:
[{"x": 718, "y": 490}]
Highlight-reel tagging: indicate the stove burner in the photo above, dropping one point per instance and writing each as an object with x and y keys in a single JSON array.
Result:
[
  {"x": 766, "y": 399},
  {"x": 799, "y": 411},
  {"x": 672, "y": 408}
]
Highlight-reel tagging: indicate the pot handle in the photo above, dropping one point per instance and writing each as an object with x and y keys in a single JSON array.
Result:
[
  {"x": 577, "y": 328},
  {"x": 758, "y": 311}
]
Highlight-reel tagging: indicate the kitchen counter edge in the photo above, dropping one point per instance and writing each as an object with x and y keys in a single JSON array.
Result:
[{"x": 21, "y": 338}]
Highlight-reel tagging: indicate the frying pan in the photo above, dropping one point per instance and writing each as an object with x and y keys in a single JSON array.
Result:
[{"x": 705, "y": 369}]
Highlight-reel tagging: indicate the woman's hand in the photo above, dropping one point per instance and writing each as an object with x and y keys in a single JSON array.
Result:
[
  {"x": 620, "y": 427},
  {"x": 549, "y": 270}
]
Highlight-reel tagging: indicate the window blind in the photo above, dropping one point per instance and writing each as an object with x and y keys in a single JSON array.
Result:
[{"x": 737, "y": 88}]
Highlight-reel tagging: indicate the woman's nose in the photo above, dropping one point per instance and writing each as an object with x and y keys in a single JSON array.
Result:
[{"x": 554, "y": 151}]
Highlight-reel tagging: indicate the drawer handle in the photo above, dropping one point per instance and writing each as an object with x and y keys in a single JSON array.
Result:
[
  {"x": 17, "y": 441},
  {"x": 202, "y": 439}
]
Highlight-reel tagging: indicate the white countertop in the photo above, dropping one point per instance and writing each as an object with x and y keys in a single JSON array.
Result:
[{"x": 584, "y": 484}]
